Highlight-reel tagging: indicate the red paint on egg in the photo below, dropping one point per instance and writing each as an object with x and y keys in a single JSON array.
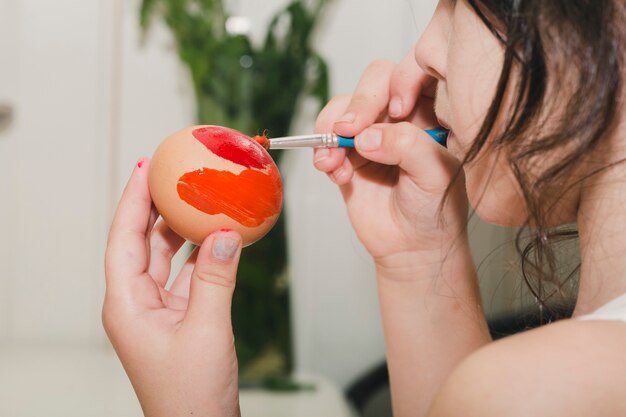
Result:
[
  {"x": 248, "y": 198},
  {"x": 234, "y": 146}
]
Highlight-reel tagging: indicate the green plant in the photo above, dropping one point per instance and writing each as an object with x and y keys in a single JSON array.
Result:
[{"x": 251, "y": 88}]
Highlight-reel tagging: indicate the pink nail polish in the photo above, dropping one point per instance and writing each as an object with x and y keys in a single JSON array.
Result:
[{"x": 224, "y": 248}]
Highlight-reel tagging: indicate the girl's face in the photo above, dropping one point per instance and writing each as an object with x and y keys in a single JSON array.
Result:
[{"x": 465, "y": 57}]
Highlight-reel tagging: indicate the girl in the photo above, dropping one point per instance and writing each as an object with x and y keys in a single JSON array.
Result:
[{"x": 532, "y": 92}]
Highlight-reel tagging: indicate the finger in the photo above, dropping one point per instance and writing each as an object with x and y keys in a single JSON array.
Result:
[
  {"x": 328, "y": 160},
  {"x": 408, "y": 83},
  {"x": 343, "y": 174},
  {"x": 127, "y": 255},
  {"x": 429, "y": 164},
  {"x": 164, "y": 244},
  {"x": 180, "y": 286},
  {"x": 369, "y": 101},
  {"x": 335, "y": 108},
  {"x": 154, "y": 216},
  {"x": 213, "y": 282},
  {"x": 174, "y": 302}
]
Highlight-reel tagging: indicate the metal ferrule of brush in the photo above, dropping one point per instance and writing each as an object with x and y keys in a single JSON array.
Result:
[{"x": 320, "y": 140}]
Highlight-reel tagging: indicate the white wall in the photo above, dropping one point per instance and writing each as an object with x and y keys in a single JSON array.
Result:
[
  {"x": 155, "y": 98},
  {"x": 53, "y": 173},
  {"x": 54, "y": 176},
  {"x": 8, "y": 146}
]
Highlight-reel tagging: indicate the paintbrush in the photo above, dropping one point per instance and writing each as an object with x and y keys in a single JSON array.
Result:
[{"x": 328, "y": 140}]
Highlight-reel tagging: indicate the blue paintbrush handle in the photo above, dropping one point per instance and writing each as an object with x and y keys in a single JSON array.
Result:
[
  {"x": 439, "y": 135},
  {"x": 345, "y": 142}
]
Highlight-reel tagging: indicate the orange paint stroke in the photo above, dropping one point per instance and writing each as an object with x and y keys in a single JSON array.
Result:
[{"x": 248, "y": 198}]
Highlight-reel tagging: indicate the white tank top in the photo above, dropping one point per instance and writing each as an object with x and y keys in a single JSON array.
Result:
[{"x": 613, "y": 310}]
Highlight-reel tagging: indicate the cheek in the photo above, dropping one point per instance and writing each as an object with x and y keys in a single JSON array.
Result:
[
  {"x": 474, "y": 63},
  {"x": 471, "y": 87}
]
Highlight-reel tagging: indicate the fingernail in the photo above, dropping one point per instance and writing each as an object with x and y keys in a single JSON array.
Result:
[
  {"x": 370, "y": 139},
  {"x": 347, "y": 118},
  {"x": 224, "y": 248},
  {"x": 321, "y": 154},
  {"x": 395, "y": 107}
]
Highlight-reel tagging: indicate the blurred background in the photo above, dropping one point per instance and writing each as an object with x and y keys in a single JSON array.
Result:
[{"x": 85, "y": 92}]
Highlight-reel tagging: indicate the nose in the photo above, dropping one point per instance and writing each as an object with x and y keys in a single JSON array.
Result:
[{"x": 432, "y": 48}]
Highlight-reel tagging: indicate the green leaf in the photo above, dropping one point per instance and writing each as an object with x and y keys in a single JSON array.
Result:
[
  {"x": 320, "y": 84},
  {"x": 145, "y": 12}
]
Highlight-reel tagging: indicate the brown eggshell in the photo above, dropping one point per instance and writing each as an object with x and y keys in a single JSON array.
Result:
[{"x": 183, "y": 153}]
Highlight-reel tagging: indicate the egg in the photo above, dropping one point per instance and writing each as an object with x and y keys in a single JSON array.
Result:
[{"x": 206, "y": 178}]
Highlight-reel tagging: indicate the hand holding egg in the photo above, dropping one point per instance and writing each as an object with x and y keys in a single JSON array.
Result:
[{"x": 207, "y": 178}]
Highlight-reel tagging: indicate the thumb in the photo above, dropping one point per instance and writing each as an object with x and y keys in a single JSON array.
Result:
[
  {"x": 427, "y": 163},
  {"x": 213, "y": 281}
]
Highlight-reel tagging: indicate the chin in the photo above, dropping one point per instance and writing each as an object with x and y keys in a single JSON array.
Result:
[{"x": 494, "y": 193}]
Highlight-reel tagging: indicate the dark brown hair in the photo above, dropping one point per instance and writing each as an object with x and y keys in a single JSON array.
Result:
[{"x": 563, "y": 58}]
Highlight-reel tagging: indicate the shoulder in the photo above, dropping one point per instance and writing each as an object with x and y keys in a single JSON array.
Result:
[{"x": 570, "y": 368}]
